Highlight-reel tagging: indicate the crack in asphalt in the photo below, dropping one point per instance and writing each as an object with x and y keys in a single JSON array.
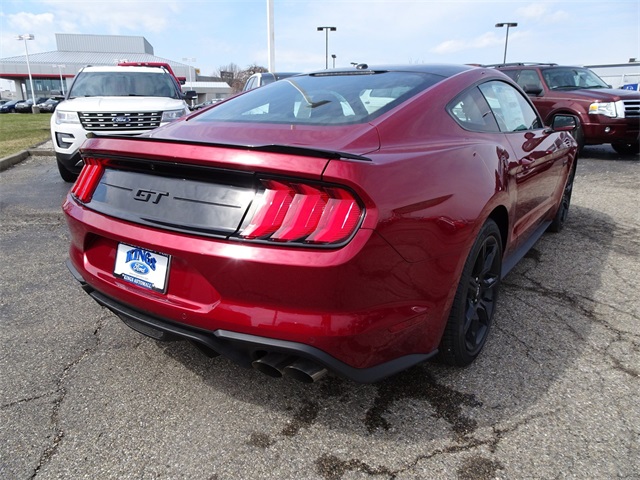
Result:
[
  {"x": 27, "y": 400},
  {"x": 574, "y": 301},
  {"x": 61, "y": 392},
  {"x": 330, "y": 467}
]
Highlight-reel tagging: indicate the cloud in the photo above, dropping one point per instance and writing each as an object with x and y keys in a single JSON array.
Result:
[
  {"x": 120, "y": 16},
  {"x": 449, "y": 46},
  {"x": 539, "y": 11},
  {"x": 533, "y": 11},
  {"x": 20, "y": 23},
  {"x": 30, "y": 22},
  {"x": 452, "y": 46}
]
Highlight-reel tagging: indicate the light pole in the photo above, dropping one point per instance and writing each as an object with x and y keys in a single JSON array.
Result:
[
  {"x": 60, "y": 67},
  {"x": 192, "y": 60},
  {"x": 334, "y": 59},
  {"x": 271, "y": 37},
  {"x": 506, "y": 40},
  {"x": 25, "y": 37},
  {"x": 327, "y": 30}
]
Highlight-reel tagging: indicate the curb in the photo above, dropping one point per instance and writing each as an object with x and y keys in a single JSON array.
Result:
[{"x": 11, "y": 160}]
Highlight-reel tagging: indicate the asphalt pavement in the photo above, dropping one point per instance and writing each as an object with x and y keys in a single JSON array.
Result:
[{"x": 555, "y": 394}]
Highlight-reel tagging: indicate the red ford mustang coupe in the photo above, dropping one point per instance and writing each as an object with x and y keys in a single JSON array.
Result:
[{"x": 356, "y": 221}]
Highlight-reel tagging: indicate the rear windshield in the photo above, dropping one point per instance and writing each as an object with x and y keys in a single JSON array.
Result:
[
  {"x": 115, "y": 84},
  {"x": 323, "y": 99}
]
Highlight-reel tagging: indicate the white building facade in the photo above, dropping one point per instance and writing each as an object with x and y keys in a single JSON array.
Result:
[{"x": 54, "y": 71}]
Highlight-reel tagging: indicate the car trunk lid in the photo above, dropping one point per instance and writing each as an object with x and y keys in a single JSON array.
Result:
[{"x": 195, "y": 187}]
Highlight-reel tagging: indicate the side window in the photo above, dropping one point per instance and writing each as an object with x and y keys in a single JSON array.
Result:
[
  {"x": 530, "y": 79},
  {"x": 250, "y": 84},
  {"x": 511, "y": 109},
  {"x": 471, "y": 111},
  {"x": 266, "y": 79}
]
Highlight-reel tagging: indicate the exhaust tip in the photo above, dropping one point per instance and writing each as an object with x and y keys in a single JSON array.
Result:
[
  {"x": 305, "y": 371},
  {"x": 273, "y": 364}
]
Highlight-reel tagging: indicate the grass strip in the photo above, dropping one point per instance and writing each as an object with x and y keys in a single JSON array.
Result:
[{"x": 20, "y": 131}]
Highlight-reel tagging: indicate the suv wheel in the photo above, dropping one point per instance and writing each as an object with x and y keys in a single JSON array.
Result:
[
  {"x": 626, "y": 148},
  {"x": 66, "y": 175}
]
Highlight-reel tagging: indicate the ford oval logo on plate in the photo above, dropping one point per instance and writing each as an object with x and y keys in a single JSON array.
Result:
[
  {"x": 144, "y": 268},
  {"x": 139, "y": 267},
  {"x": 120, "y": 120}
]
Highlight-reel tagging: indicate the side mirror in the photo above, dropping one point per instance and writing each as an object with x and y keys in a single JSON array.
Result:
[
  {"x": 532, "y": 90},
  {"x": 190, "y": 94},
  {"x": 57, "y": 95},
  {"x": 564, "y": 123}
]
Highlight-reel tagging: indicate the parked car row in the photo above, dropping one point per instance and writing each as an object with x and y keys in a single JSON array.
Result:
[
  {"x": 45, "y": 104},
  {"x": 354, "y": 220}
]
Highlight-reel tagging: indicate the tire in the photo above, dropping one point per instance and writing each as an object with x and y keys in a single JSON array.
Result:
[
  {"x": 627, "y": 148},
  {"x": 563, "y": 209},
  {"x": 66, "y": 175},
  {"x": 473, "y": 306}
]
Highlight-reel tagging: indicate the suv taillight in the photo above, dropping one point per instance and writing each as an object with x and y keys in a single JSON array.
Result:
[
  {"x": 303, "y": 213},
  {"x": 88, "y": 179}
]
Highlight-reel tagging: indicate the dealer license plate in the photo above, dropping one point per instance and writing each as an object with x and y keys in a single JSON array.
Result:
[{"x": 141, "y": 267}]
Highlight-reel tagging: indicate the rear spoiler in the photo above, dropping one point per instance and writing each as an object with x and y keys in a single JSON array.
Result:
[{"x": 285, "y": 149}]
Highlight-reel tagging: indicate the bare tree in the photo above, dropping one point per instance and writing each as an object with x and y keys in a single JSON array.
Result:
[
  {"x": 236, "y": 76},
  {"x": 228, "y": 72}
]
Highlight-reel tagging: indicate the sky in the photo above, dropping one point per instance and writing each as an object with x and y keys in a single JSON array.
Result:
[{"x": 218, "y": 32}]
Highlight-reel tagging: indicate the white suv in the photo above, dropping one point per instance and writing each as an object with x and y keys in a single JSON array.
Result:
[{"x": 112, "y": 100}]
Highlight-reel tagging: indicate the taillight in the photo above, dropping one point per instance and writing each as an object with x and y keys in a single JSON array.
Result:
[
  {"x": 303, "y": 213},
  {"x": 88, "y": 179}
]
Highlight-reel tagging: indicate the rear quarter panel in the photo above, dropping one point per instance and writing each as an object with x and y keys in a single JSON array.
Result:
[{"x": 433, "y": 185}]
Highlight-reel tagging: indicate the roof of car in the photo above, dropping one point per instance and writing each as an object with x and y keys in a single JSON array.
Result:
[
  {"x": 120, "y": 68},
  {"x": 446, "y": 70},
  {"x": 530, "y": 64}
]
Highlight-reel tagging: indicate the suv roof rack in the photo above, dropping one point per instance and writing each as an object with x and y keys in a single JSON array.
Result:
[{"x": 519, "y": 64}]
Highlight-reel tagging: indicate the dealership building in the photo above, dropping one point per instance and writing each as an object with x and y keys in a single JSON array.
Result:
[{"x": 54, "y": 71}]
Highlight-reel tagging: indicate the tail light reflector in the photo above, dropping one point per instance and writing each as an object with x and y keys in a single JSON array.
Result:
[
  {"x": 296, "y": 212},
  {"x": 88, "y": 179},
  {"x": 339, "y": 219},
  {"x": 271, "y": 211}
]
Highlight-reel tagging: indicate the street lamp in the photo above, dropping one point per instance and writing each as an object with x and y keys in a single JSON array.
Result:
[
  {"x": 60, "y": 67},
  {"x": 192, "y": 60},
  {"x": 327, "y": 30},
  {"x": 334, "y": 59},
  {"x": 506, "y": 40},
  {"x": 25, "y": 37}
]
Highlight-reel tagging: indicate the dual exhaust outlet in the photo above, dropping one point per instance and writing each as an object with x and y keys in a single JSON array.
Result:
[{"x": 277, "y": 365}]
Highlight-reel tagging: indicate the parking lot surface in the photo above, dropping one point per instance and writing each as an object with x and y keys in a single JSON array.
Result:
[{"x": 555, "y": 394}]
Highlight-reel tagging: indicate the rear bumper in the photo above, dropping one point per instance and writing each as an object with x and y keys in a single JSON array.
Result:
[{"x": 242, "y": 348}]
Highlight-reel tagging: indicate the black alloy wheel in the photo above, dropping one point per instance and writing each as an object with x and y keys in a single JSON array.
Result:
[
  {"x": 563, "y": 209},
  {"x": 475, "y": 300}
]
